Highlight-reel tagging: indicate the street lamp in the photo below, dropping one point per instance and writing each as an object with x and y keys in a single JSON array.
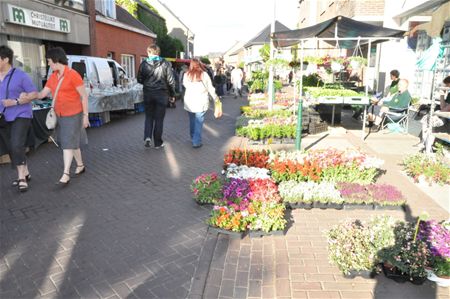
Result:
[{"x": 270, "y": 90}]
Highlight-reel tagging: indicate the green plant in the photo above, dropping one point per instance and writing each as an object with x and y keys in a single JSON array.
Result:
[
  {"x": 207, "y": 188},
  {"x": 358, "y": 59},
  {"x": 408, "y": 255},
  {"x": 442, "y": 267},
  {"x": 432, "y": 168},
  {"x": 259, "y": 80}
]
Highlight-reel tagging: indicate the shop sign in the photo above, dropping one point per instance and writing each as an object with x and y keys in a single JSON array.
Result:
[{"x": 27, "y": 17}]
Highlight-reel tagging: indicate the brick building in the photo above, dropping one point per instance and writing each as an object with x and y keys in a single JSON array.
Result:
[{"x": 118, "y": 35}]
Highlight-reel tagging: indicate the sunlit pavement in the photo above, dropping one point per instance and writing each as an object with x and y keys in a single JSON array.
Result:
[{"x": 128, "y": 227}]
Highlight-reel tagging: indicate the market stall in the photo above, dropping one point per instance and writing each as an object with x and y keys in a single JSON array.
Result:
[
  {"x": 113, "y": 99},
  {"x": 339, "y": 32}
]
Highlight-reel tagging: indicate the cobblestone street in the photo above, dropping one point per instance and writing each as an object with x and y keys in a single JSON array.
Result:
[{"x": 128, "y": 227}]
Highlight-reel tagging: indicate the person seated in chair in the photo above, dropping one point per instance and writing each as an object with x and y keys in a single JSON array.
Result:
[{"x": 398, "y": 103}]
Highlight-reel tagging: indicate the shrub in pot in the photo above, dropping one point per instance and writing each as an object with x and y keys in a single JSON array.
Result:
[
  {"x": 353, "y": 245},
  {"x": 408, "y": 256}
]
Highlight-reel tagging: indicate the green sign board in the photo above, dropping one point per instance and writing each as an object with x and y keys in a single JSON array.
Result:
[{"x": 31, "y": 18}]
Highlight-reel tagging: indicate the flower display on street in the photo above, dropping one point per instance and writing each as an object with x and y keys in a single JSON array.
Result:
[{"x": 227, "y": 218}]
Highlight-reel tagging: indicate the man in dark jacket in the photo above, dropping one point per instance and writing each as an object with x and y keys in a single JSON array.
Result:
[{"x": 156, "y": 76}]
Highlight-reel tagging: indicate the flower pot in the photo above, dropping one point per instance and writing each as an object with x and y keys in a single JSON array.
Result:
[
  {"x": 320, "y": 205},
  {"x": 357, "y": 206},
  {"x": 389, "y": 207},
  {"x": 440, "y": 281},
  {"x": 367, "y": 274},
  {"x": 260, "y": 233},
  {"x": 393, "y": 273},
  {"x": 336, "y": 206},
  {"x": 301, "y": 205},
  {"x": 417, "y": 280},
  {"x": 203, "y": 203},
  {"x": 232, "y": 234}
]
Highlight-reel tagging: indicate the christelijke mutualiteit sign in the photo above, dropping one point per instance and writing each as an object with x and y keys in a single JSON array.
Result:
[{"x": 27, "y": 17}]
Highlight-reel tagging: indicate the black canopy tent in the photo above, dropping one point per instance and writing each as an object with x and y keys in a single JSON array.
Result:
[
  {"x": 337, "y": 28},
  {"x": 340, "y": 32}
]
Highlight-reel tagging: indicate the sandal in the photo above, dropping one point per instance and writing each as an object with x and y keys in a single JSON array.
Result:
[
  {"x": 22, "y": 185},
  {"x": 63, "y": 184},
  {"x": 83, "y": 169},
  {"x": 15, "y": 183}
]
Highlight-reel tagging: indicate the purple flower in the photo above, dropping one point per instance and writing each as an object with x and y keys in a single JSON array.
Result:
[{"x": 436, "y": 236}]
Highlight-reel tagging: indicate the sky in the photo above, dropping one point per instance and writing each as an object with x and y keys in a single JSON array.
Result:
[{"x": 218, "y": 24}]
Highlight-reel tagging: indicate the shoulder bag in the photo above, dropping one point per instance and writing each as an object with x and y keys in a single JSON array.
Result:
[
  {"x": 3, "y": 122},
  {"x": 217, "y": 103},
  {"x": 51, "y": 119}
]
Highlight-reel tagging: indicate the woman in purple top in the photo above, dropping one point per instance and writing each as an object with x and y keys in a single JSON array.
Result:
[{"x": 18, "y": 114}]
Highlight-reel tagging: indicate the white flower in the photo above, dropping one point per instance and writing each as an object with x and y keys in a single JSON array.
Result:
[{"x": 245, "y": 172}]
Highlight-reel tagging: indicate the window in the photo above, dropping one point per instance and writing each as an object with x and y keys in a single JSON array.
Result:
[
  {"x": 110, "y": 55},
  {"x": 128, "y": 64},
  {"x": 106, "y": 7}
]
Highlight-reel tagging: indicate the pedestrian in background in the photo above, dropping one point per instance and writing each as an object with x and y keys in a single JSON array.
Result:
[
  {"x": 71, "y": 107},
  {"x": 156, "y": 76},
  {"x": 196, "y": 100},
  {"x": 236, "y": 79},
  {"x": 17, "y": 113}
]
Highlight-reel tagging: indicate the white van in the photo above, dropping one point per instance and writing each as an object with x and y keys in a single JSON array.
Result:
[{"x": 100, "y": 71}]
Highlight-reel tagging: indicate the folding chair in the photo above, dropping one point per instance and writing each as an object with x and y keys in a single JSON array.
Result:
[{"x": 398, "y": 117}]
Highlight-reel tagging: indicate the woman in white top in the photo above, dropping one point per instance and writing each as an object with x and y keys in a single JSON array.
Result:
[{"x": 196, "y": 99}]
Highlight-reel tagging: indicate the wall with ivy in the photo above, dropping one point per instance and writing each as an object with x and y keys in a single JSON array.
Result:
[{"x": 170, "y": 47}]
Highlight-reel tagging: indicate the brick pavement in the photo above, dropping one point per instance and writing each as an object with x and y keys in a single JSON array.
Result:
[{"x": 127, "y": 228}]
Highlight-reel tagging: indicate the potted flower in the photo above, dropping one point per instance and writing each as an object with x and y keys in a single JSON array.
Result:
[
  {"x": 227, "y": 220},
  {"x": 437, "y": 237},
  {"x": 207, "y": 188},
  {"x": 386, "y": 196},
  {"x": 350, "y": 249},
  {"x": 407, "y": 258},
  {"x": 292, "y": 193},
  {"x": 355, "y": 196},
  {"x": 267, "y": 219}
]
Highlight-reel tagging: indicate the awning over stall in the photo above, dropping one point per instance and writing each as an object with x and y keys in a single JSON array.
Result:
[{"x": 337, "y": 28}]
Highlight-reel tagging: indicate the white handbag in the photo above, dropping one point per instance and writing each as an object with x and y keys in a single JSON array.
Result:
[{"x": 51, "y": 119}]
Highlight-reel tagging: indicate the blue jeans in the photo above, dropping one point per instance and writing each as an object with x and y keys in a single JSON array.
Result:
[{"x": 196, "y": 120}]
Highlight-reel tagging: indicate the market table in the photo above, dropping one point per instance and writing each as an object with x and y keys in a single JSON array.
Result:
[
  {"x": 114, "y": 99},
  {"x": 356, "y": 100}
]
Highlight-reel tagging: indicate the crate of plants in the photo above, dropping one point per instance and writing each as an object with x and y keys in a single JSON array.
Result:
[
  {"x": 307, "y": 195},
  {"x": 207, "y": 188},
  {"x": 371, "y": 196}
]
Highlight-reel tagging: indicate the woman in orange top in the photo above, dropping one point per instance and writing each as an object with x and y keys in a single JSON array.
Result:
[{"x": 71, "y": 107}]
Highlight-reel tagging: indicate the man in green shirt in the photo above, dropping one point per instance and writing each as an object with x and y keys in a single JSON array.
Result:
[{"x": 397, "y": 103}]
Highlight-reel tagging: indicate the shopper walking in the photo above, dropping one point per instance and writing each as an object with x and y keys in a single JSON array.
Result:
[
  {"x": 71, "y": 107},
  {"x": 196, "y": 100},
  {"x": 16, "y": 114},
  {"x": 156, "y": 75},
  {"x": 236, "y": 79}
]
